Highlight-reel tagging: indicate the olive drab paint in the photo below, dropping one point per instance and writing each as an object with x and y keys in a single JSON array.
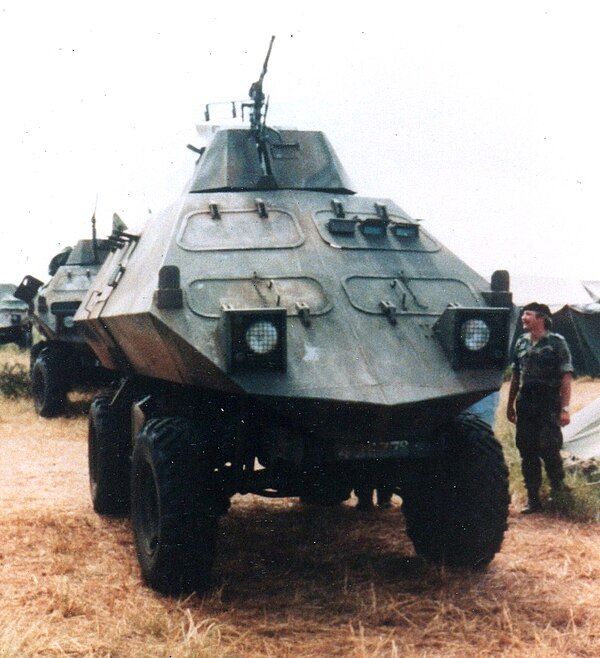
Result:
[{"x": 272, "y": 315}]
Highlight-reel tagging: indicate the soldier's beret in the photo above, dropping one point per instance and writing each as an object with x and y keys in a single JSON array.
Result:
[{"x": 538, "y": 308}]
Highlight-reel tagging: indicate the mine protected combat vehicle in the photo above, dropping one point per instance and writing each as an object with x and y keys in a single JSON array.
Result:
[
  {"x": 278, "y": 334},
  {"x": 15, "y": 325},
  {"x": 61, "y": 360}
]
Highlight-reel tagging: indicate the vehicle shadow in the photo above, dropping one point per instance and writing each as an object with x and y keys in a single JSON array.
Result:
[{"x": 317, "y": 558}]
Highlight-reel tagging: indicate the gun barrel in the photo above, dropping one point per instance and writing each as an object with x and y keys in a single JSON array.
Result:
[
  {"x": 256, "y": 93},
  {"x": 264, "y": 71}
]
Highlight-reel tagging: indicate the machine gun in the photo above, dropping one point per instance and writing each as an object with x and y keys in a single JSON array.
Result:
[
  {"x": 257, "y": 119},
  {"x": 239, "y": 107}
]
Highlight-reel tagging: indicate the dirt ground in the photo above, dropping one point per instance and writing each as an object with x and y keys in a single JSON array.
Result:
[{"x": 290, "y": 581}]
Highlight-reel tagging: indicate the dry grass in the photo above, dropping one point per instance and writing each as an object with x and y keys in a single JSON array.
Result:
[{"x": 290, "y": 582}]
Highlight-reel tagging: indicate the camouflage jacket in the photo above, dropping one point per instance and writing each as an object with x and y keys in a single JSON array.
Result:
[{"x": 542, "y": 363}]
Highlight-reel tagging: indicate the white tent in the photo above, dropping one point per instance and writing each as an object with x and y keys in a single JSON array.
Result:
[
  {"x": 582, "y": 435},
  {"x": 593, "y": 287}
]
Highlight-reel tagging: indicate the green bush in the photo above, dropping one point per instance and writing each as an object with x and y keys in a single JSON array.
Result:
[{"x": 14, "y": 380}]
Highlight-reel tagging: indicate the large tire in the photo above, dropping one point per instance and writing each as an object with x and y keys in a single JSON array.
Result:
[
  {"x": 456, "y": 508},
  {"x": 109, "y": 452},
  {"x": 49, "y": 384},
  {"x": 175, "y": 505}
]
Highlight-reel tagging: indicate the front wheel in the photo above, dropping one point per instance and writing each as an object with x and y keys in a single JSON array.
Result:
[
  {"x": 175, "y": 505},
  {"x": 456, "y": 507}
]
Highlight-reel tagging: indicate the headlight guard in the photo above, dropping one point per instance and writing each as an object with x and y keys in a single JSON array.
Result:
[
  {"x": 255, "y": 339},
  {"x": 474, "y": 337}
]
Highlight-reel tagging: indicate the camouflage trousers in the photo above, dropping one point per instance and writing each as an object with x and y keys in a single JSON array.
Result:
[{"x": 539, "y": 438}]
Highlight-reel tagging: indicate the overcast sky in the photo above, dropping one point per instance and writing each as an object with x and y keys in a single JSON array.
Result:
[{"x": 481, "y": 118}]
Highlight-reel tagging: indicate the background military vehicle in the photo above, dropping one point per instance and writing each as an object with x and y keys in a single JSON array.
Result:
[
  {"x": 280, "y": 335},
  {"x": 15, "y": 326},
  {"x": 61, "y": 360}
]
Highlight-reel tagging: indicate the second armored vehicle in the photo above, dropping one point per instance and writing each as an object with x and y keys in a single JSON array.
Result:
[
  {"x": 280, "y": 335},
  {"x": 61, "y": 360}
]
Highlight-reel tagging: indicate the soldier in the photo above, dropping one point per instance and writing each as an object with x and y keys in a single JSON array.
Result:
[{"x": 541, "y": 387}]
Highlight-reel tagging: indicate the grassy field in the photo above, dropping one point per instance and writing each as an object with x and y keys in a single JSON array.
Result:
[{"x": 290, "y": 581}]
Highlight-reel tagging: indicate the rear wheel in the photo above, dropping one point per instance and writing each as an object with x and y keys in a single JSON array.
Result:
[
  {"x": 175, "y": 505},
  {"x": 49, "y": 384},
  {"x": 109, "y": 450},
  {"x": 456, "y": 508}
]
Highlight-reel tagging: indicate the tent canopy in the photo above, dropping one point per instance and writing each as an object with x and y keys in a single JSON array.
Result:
[
  {"x": 593, "y": 287},
  {"x": 580, "y": 325},
  {"x": 575, "y": 314},
  {"x": 582, "y": 434}
]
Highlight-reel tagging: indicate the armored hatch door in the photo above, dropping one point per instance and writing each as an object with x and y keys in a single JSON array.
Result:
[{"x": 426, "y": 296}]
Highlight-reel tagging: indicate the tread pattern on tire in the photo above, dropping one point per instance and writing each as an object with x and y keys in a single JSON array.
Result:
[
  {"x": 49, "y": 385},
  {"x": 109, "y": 451},
  {"x": 171, "y": 456},
  {"x": 456, "y": 509}
]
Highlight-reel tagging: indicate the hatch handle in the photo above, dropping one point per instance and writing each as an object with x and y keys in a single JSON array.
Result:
[
  {"x": 389, "y": 310},
  {"x": 303, "y": 313}
]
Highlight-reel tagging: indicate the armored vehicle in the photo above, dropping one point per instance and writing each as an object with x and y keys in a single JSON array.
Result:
[
  {"x": 15, "y": 326},
  {"x": 280, "y": 335},
  {"x": 61, "y": 360}
]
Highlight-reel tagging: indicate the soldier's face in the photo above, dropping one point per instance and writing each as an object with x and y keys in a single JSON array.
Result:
[{"x": 532, "y": 320}]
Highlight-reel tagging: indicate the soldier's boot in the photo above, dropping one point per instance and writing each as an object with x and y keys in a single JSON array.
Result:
[
  {"x": 558, "y": 489},
  {"x": 558, "y": 485},
  {"x": 534, "y": 504},
  {"x": 384, "y": 498}
]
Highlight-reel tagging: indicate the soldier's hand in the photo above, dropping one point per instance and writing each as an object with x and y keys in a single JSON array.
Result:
[
  {"x": 565, "y": 418},
  {"x": 511, "y": 414}
]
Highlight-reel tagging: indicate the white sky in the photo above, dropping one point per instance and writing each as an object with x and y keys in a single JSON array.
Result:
[{"x": 479, "y": 117}]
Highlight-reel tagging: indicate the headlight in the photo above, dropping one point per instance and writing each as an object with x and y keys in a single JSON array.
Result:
[
  {"x": 474, "y": 337},
  {"x": 261, "y": 337},
  {"x": 255, "y": 339},
  {"x": 475, "y": 334},
  {"x": 68, "y": 321}
]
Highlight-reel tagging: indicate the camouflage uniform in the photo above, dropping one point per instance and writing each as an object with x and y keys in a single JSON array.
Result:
[{"x": 540, "y": 368}]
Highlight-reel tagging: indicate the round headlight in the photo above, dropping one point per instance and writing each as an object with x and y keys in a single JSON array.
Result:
[
  {"x": 475, "y": 334},
  {"x": 261, "y": 337},
  {"x": 68, "y": 321}
]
